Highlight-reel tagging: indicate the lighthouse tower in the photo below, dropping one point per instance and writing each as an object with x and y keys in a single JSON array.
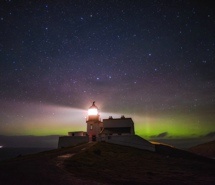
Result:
[{"x": 94, "y": 124}]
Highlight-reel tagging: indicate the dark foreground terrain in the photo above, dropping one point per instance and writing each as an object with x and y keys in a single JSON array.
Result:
[{"x": 103, "y": 163}]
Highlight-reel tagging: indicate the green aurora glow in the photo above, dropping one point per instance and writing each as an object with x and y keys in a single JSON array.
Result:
[{"x": 41, "y": 120}]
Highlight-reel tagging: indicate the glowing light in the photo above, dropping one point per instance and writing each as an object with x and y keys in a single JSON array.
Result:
[
  {"x": 1, "y": 146},
  {"x": 93, "y": 111}
]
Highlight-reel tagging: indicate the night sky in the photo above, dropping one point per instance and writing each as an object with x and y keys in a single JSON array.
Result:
[{"x": 151, "y": 60}]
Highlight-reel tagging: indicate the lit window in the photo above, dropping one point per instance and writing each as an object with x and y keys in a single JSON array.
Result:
[
  {"x": 93, "y": 112},
  {"x": 91, "y": 127}
]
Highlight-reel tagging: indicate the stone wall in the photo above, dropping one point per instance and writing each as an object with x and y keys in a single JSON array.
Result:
[
  {"x": 130, "y": 140},
  {"x": 66, "y": 141}
]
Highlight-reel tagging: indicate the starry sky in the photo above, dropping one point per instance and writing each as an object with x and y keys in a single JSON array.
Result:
[{"x": 152, "y": 60}]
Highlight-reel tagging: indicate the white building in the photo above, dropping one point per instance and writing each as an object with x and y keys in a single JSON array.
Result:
[{"x": 117, "y": 131}]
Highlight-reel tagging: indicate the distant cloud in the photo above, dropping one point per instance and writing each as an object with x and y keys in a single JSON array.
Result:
[
  {"x": 210, "y": 134},
  {"x": 164, "y": 134},
  {"x": 161, "y": 135}
]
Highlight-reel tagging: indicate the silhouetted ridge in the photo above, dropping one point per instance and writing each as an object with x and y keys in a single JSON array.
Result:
[
  {"x": 178, "y": 153},
  {"x": 205, "y": 149}
]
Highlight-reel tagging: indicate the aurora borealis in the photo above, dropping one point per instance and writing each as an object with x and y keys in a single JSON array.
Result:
[{"x": 151, "y": 60}]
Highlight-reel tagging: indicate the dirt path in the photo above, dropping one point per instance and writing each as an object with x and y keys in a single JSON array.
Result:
[{"x": 59, "y": 160}]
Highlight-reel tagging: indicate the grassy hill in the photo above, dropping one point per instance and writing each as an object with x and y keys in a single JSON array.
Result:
[
  {"x": 116, "y": 164},
  {"x": 103, "y": 163},
  {"x": 206, "y": 149}
]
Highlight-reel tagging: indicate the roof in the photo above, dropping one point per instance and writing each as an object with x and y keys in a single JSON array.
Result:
[
  {"x": 117, "y": 130},
  {"x": 93, "y": 106},
  {"x": 118, "y": 122}
]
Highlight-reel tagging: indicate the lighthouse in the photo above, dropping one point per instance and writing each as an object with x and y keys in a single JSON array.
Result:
[
  {"x": 94, "y": 124},
  {"x": 112, "y": 130}
]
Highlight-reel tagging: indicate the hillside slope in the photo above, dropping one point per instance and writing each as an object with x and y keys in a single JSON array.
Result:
[
  {"x": 205, "y": 149},
  {"x": 105, "y": 163},
  {"x": 115, "y": 164}
]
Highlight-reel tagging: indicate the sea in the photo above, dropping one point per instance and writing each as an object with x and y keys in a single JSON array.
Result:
[{"x": 8, "y": 153}]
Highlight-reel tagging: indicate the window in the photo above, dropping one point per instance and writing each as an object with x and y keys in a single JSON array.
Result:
[{"x": 91, "y": 127}]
